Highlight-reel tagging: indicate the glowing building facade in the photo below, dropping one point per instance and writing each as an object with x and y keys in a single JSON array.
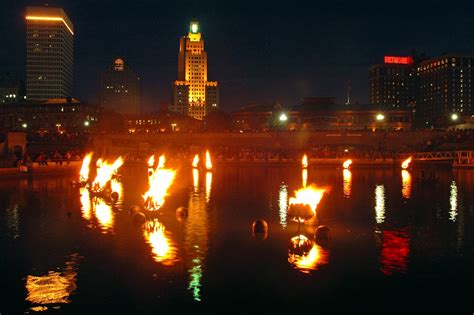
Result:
[
  {"x": 193, "y": 94},
  {"x": 49, "y": 53},
  {"x": 120, "y": 88}
]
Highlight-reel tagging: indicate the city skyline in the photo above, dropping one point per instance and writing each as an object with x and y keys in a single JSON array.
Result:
[{"x": 260, "y": 60}]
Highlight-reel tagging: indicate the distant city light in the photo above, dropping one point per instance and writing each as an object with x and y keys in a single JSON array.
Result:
[
  {"x": 86, "y": 123},
  {"x": 24, "y": 125},
  {"x": 194, "y": 28},
  {"x": 454, "y": 117},
  {"x": 380, "y": 117},
  {"x": 283, "y": 117}
]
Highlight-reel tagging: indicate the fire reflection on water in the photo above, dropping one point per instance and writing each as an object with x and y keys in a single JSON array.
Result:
[
  {"x": 406, "y": 184},
  {"x": 163, "y": 248},
  {"x": 196, "y": 237},
  {"x": 96, "y": 208},
  {"x": 380, "y": 204},
  {"x": 305, "y": 255},
  {"x": 283, "y": 204},
  {"x": 453, "y": 201},
  {"x": 394, "y": 253},
  {"x": 208, "y": 185},
  {"x": 53, "y": 288},
  {"x": 347, "y": 183}
]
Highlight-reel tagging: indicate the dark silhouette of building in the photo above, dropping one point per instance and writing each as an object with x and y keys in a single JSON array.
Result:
[
  {"x": 120, "y": 88},
  {"x": 11, "y": 89}
]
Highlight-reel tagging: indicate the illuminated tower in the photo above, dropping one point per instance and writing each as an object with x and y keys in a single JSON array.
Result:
[
  {"x": 193, "y": 94},
  {"x": 49, "y": 53}
]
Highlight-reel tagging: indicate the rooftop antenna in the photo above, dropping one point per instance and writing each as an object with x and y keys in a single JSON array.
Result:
[{"x": 348, "y": 101}]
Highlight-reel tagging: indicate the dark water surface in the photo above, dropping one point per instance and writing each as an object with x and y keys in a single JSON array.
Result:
[{"x": 396, "y": 245}]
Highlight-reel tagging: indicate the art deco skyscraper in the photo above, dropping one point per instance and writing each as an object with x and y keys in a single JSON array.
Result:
[
  {"x": 49, "y": 53},
  {"x": 193, "y": 94}
]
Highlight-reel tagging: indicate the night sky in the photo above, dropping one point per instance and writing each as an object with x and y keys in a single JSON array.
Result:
[{"x": 259, "y": 51}]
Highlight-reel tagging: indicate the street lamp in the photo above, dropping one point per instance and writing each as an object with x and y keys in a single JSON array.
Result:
[
  {"x": 24, "y": 125},
  {"x": 454, "y": 117},
  {"x": 283, "y": 117},
  {"x": 380, "y": 117},
  {"x": 86, "y": 123}
]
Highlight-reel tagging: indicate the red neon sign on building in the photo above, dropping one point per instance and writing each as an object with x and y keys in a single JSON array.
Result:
[{"x": 398, "y": 60}]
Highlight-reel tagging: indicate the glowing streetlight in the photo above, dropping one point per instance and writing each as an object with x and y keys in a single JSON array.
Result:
[
  {"x": 86, "y": 123},
  {"x": 454, "y": 117},
  {"x": 24, "y": 125},
  {"x": 283, "y": 117},
  {"x": 380, "y": 117}
]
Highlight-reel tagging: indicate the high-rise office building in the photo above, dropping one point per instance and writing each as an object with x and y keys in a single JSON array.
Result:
[
  {"x": 120, "y": 88},
  {"x": 393, "y": 83},
  {"x": 445, "y": 88},
  {"x": 49, "y": 53},
  {"x": 193, "y": 94}
]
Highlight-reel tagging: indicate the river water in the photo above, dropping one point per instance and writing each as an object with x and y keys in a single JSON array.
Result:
[{"x": 397, "y": 244}]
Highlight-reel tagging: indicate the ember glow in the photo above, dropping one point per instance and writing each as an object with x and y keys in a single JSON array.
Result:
[
  {"x": 163, "y": 249},
  {"x": 308, "y": 196},
  {"x": 196, "y": 161},
  {"x": 208, "y": 161},
  {"x": 105, "y": 172},
  {"x": 159, "y": 182},
  {"x": 84, "y": 173},
  {"x": 304, "y": 161},
  {"x": 406, "y": 163},
  {"x": 347, "y": 164}
]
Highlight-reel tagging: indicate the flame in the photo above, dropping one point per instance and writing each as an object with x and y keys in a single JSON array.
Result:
[
  {"x": 304, "y": 176},
  {"x": 305, "y": 260},
  {"x": 310, "y": 196},
  {"x": 208, "y": 161},
  {"x": 151, "y": 161},
  {"x": 105, "y": 171},
  {"x": 159, "y": 182},
  {"x": 84, "y": 173},
  {"x": 161, "y": 245},
  {"x": 406, "y": 184},
  {"x": 304, "y": 161},
  {"x": 347, "y": 182},
  {"x": 406, "y": 163},
  {"x": 347, "y": 164},
  {"x": 196, "y": 161},
  {"x": 161, "y": 162},
  {"x": 117, "y": 187}
]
